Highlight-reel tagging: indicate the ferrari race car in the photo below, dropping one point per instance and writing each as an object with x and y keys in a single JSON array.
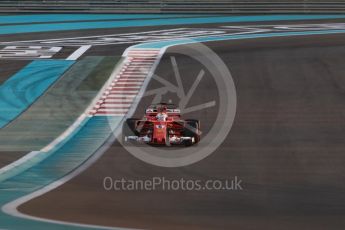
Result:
[{"x": 161, "y": 125}]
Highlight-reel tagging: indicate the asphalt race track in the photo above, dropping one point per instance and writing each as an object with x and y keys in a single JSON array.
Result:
[{"x": 286, "y": 144}]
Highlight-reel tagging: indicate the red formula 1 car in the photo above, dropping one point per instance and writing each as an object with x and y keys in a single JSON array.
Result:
[{"x": 162, "y": 125}]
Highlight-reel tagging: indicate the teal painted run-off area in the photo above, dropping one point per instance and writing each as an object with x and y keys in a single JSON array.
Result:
[
  {"x": 23, "y": 88},
  {"x": 51, "y": 166},
  {"x": 44, "y": 18},
  {"x": 177, "y": 20}
]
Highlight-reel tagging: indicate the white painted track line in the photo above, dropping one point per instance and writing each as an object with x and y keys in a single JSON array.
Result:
[
  {"x": 115, "y": 106},
  {"x": 78, "y": 53},
  {"x": 122, "y": 92},
  {"x": 123, "y": 101}
]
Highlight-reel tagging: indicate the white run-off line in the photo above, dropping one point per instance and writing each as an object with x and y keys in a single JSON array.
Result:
[
  {"x": 38, "y": 52},
  {"x": 78, "y": 53}
]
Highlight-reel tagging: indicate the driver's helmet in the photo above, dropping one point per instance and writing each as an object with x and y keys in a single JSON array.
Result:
[{"x": 162, "y": 109}]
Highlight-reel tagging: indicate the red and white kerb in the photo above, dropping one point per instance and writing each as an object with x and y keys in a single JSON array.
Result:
[{"x": 118, "y": 97}]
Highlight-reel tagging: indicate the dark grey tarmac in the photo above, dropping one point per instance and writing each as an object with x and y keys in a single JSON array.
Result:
[{"x": 286, "y": 144}]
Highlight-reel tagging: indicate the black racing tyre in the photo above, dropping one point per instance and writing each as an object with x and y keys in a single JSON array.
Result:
[
  {"x": 129, "y": 128},
  {"x": 167, "y": 141},
  {"x": 192, "y": 129}
]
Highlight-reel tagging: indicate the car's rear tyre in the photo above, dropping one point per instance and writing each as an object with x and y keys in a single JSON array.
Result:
[
  {"x": 192, "y": 129},
  {"x": 167, "y": 139}
]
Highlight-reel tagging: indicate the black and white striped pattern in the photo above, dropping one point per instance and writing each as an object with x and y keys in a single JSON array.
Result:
[{"x": 28, "y": 52}]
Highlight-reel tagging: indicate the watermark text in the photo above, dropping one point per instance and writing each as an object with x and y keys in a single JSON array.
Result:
[{"x": 164, "y": 184}]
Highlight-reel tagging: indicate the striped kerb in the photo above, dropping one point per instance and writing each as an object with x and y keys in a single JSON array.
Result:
[{"x": 119, "y": 95}]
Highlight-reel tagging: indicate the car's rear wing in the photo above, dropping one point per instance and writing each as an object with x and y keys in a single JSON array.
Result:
[{"x": 169, "y": 111}]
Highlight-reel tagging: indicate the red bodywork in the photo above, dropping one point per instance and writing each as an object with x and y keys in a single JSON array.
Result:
[
  {"x": 171, "y": 130},
  {"x": 159, "y": 131}
]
